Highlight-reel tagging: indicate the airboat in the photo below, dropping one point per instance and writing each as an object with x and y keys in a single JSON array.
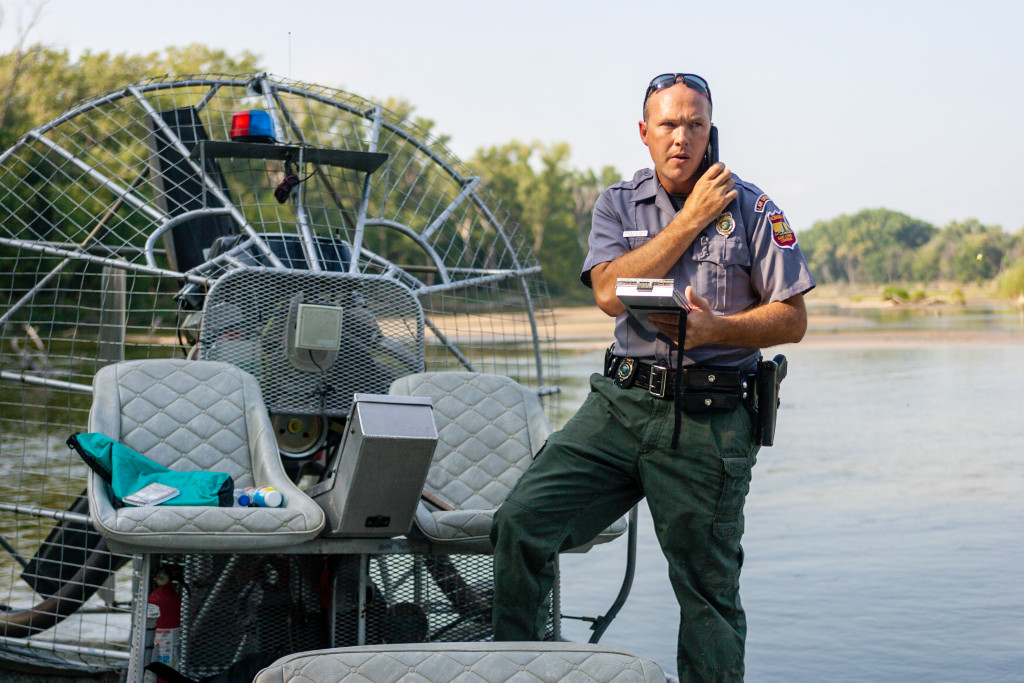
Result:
[{"x": 343, "y": 262}]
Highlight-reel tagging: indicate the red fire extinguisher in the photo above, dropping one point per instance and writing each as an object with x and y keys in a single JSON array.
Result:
[{"x": 168, "y": 625}]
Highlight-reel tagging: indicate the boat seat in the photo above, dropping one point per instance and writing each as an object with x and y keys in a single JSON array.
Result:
[
  {"x": 544, "y": 662},
  {"x": 489, "y": 429},
  {"x": 195, "y": 415}
]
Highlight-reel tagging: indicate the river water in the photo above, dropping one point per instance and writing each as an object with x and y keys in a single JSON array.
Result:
[{"x": 884, "y": 530}]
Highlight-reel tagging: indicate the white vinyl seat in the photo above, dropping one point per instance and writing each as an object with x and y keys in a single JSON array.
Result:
[
  {"x": 489, "y": 429},
  {"x": 188, "y": 416},
  {"x": 542, "y": 662}
]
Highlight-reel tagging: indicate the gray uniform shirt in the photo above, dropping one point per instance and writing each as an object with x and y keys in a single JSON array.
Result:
[{"x": 746, "y": 257}]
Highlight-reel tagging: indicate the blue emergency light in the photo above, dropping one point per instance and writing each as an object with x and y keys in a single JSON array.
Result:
[{"x": 252, "y": 125}]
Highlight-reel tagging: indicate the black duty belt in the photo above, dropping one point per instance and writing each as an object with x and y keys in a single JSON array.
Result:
[{"x": 704, "y": 387}]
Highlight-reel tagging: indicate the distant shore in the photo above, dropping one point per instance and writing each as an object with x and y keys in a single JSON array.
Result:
[{"x": 833, "y": 321}]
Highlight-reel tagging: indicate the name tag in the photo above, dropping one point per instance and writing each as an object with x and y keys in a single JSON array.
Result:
[{"x": 634, "y": 233}]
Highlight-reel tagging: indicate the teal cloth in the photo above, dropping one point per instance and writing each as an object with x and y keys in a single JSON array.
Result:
[{"x": 127, "y": 471}]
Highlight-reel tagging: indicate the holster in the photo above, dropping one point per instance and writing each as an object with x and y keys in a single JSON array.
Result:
[{"x": 770, "y": 374}]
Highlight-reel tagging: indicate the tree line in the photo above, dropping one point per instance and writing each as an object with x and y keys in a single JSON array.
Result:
[
  {"x": 880, "y": 247},
  {"x": 538, "y": 188}
]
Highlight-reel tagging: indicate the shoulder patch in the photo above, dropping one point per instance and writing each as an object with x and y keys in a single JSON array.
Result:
[
  {"x": 782, "y": 234},
  {"x": 762, "y": 201}
]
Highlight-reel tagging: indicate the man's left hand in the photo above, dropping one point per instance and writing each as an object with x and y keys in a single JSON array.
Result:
[
  {"x": 700, "y": 322},
  {"x": 778, "y": 322}
]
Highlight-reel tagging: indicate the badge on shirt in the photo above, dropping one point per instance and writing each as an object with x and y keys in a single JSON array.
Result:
[
  {"x": 634, "y": 233},
  {"x": 725, "y": 224},
  {"x": 762, "y": 201},
  {"x": 782, "y": 234}
]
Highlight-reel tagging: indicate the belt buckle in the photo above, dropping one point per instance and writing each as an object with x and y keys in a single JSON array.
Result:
[{"x": 658, "y": 378}]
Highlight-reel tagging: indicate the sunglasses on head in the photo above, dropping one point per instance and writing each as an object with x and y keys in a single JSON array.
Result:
[{"x": 692, "y": 81}]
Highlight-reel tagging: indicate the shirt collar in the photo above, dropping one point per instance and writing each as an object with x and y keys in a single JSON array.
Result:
[{"x": 646, "y": 187}]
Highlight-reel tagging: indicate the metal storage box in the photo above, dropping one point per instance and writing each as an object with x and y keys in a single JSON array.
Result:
[{"x": 372, "y": 487}]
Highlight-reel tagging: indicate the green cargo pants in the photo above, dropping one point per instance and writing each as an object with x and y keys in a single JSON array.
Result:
[{"x": 612, "y": 453}]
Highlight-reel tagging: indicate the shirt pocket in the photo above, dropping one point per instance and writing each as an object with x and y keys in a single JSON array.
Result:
[
  {"x": 636, "y": 242},
  {"x": 723, "y": 265}
]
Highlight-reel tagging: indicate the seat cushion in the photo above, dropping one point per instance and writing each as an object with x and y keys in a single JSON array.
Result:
[
  {"x": 207, "y": 529},
  {"x": 484, "y": 662},
  {"x": 489, "y": 428},
  {"x": 185, "y": 415},
  {"x": 469, "y": 531},
  {"x": 460, "y": 530},
  {"x": 195, "y": 415}
]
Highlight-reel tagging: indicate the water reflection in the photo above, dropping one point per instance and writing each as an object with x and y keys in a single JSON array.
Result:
[{"x": 996, "y": 318}]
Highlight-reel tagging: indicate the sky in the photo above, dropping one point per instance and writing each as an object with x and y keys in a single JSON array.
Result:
[{"x": 828, "y": 107}]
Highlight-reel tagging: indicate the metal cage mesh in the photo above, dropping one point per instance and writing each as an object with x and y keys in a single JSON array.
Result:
[
  {"x": 249, "y": 319},
  {"x": 282, "y": 604},
  {"x": 120, "y": 234}
]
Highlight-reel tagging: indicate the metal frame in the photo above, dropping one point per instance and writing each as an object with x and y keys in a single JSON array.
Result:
[
  {"x": 272, "y": 91},
  {"x": 378, "y": 128}
]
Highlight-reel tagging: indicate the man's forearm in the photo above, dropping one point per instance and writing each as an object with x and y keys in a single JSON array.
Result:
[
  {"x": 654, "y": 260},
  {"x": 779, "y": 322},
  {"x": 710, "y": 196}
]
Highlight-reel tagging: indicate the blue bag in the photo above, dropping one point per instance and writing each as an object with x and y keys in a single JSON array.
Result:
[{"x": 127, "y": 471}]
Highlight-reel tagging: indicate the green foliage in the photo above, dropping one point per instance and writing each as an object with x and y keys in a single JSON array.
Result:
[
  {"x": 875, "y": 245},
  {"x": 1011, "y": 283},
  {"x": 551, "y": 202},
  {"x": 39, "y": 83},
  {"x": 892, "y": 292},
  {"x": 879, "y": 246},
  {"x": 972, "y": 251}
]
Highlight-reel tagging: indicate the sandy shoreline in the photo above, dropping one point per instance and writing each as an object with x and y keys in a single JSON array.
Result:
[{"x": 586, "y": 328}]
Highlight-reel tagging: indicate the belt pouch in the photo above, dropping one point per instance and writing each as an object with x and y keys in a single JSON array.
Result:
[
  {"x": 711, "y": 378},
  {"x": 700, "y": 401}
]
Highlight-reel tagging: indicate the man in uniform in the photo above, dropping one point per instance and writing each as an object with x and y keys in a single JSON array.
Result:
[{"x": 744, "y": 276}]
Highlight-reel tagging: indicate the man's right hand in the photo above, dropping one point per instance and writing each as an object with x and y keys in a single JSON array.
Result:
[{"x": 712, "y": 193}]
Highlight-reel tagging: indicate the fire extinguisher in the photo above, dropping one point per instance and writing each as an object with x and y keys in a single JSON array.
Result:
[{"x": 168, "y": 624}]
